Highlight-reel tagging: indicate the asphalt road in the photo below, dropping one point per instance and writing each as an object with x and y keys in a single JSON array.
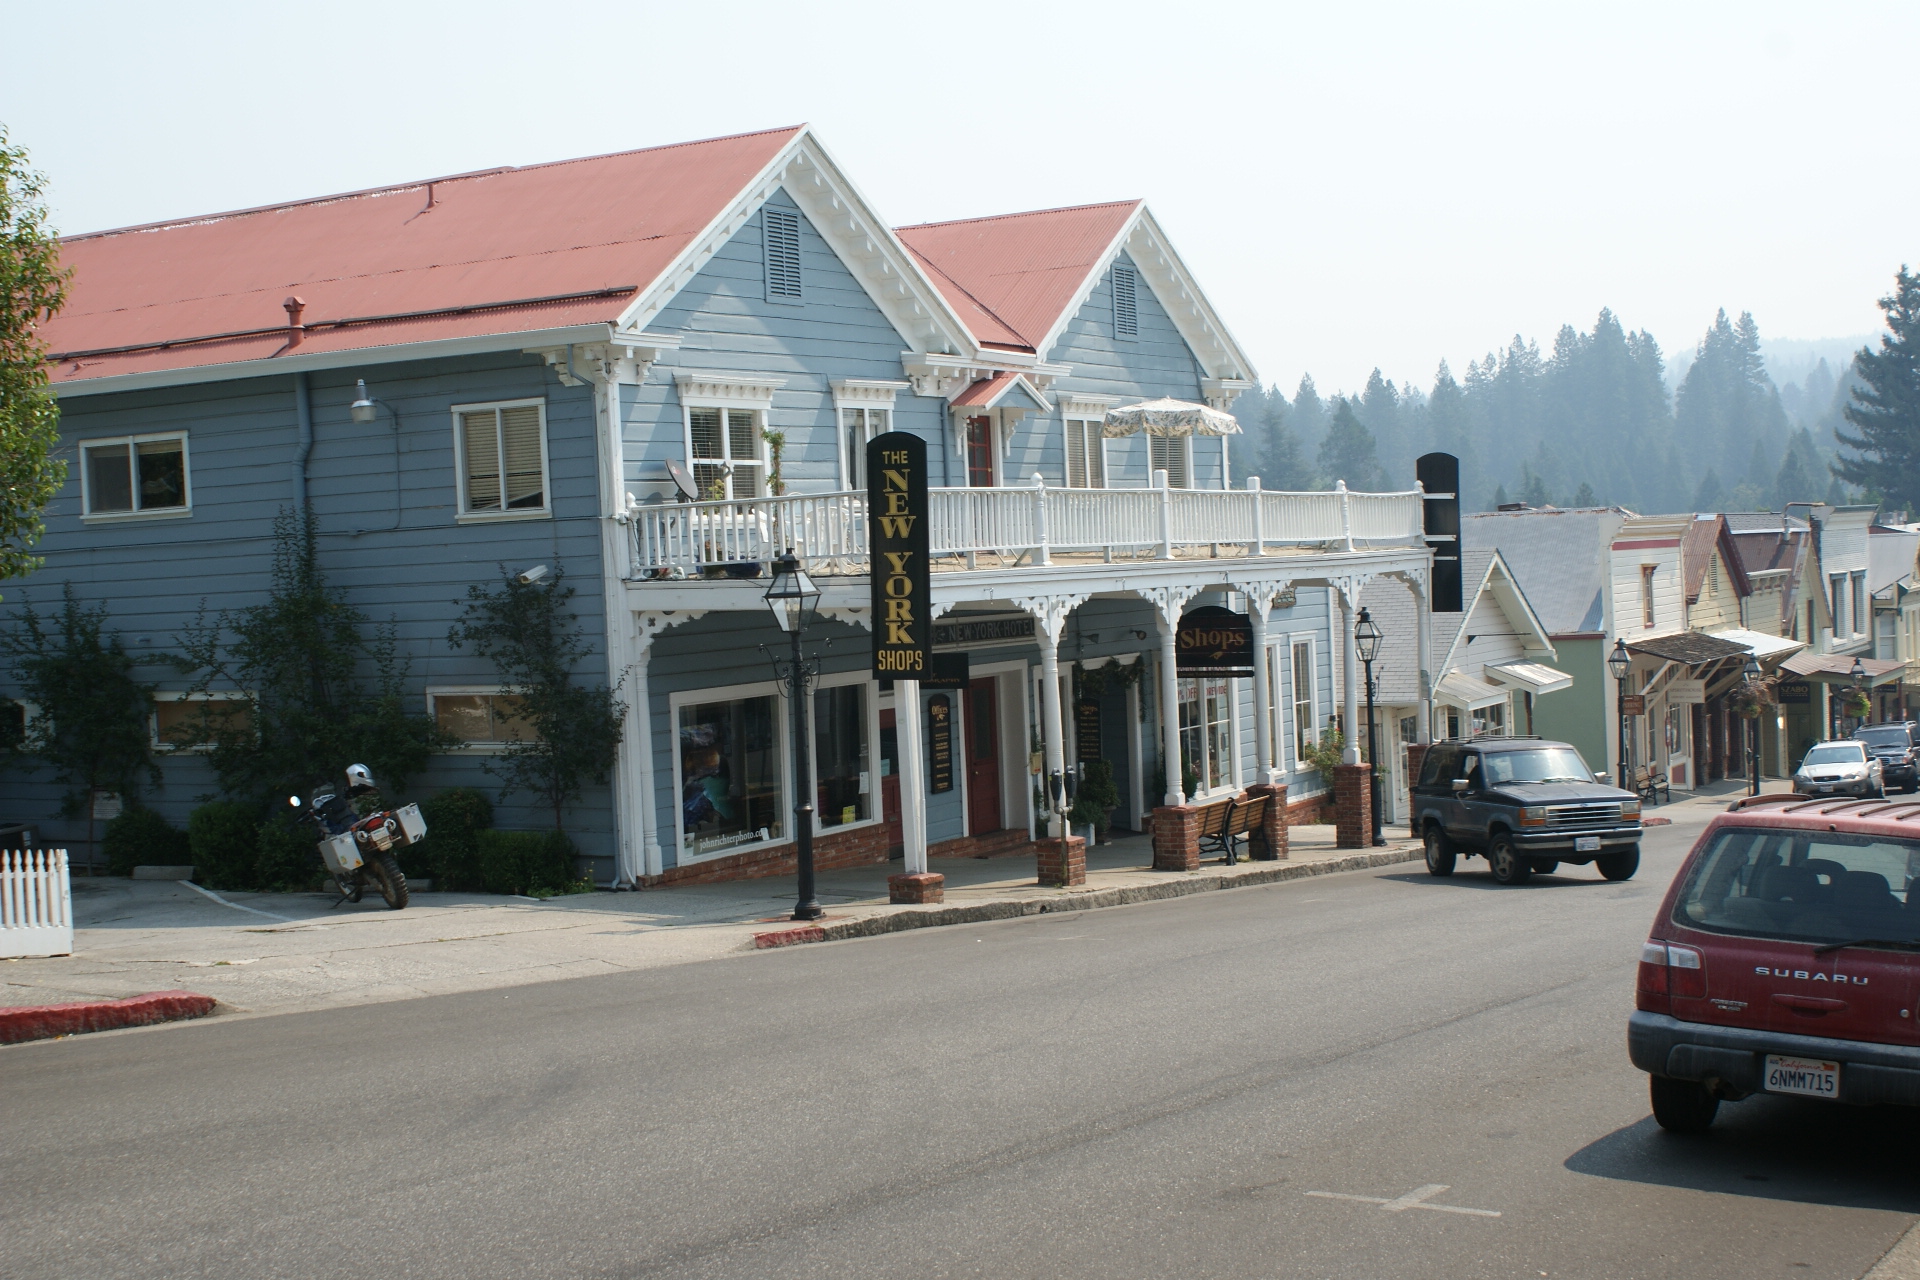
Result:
[{"x": 1148, "y": 1091}]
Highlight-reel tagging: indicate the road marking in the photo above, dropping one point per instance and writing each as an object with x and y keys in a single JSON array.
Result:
[
  {"x": 1414, "y": 1199},
  {"x": 208, "y": 893}
]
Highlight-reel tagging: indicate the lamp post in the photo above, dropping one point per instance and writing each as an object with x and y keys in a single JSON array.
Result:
[
  {"x": 1620, "y": 663},
  {"x": 794, "y": 599},
  {"x": 1751, "y": 670},
  {"x": 1859, "y": 677},
  {"x": 1366, "y": 640}
]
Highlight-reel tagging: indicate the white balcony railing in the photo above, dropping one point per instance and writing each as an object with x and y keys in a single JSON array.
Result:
[{"x": 829, "y": 530}]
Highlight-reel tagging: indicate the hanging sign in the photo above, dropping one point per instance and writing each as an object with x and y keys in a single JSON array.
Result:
[
  {"x": 897, "y": 541},
  {"x": 940, "y": 743},
  {"x": 1796, "y": 693},
  {"x": 1086, "y": 723},
  {"x": 946, "y": 671},
  {"x": 1633, "y": 704},
  {"x": 1687, "y": 692},
  {"x": 1214, "y": 642}
]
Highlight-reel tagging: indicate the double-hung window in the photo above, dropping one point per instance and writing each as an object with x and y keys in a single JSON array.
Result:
[
  {"x": 725, "y": 447},
  {"x": 143, "y": 475},
  {"x": 502, "y": 450},
  {"x": 1646, "y": 596},
  {"x": 1086, "y": 454},
  {"x": 1860, "y": 610},
  {"x": 480, "y": 719},
  {"x": 1304, "y": 715},
  {"x": 1170, "y": 454},
  {"x": 857, "y": 426}
]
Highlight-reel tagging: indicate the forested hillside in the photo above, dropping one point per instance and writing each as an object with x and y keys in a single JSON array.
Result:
[{"x": 1591, "y": 421}]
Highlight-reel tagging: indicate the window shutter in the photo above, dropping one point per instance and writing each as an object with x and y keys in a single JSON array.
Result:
[
  {"x": 1096, "y": 456},
  {"x": 782, "y": 233},
  {"x": 520, "y": 436},
  {"x": 1169, "y": 454},
  {"x": 1076, "y": 454},
  {"x": 479, "y": 432},
  {"x": 1126, "y": 314}
]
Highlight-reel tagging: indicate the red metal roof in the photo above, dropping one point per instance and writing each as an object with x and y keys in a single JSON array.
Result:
[
  {"x": 1012, "y": 277},
  {"x": 502, "y": 251},
  {"x": 985, "y": 392}
]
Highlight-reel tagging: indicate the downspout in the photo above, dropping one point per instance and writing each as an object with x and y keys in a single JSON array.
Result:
[{"x": 303, "y": 412}]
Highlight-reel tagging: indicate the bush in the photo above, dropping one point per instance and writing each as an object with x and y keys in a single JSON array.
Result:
[
  {"x": 140, "y": 837},
  {"x": 225, "y": 839},
  {"x": 451, "y": 852},
  {"x": 538, "y": 864},
  {"x": 1096, "y": 798},
  {"x": 285, "y": 857}
]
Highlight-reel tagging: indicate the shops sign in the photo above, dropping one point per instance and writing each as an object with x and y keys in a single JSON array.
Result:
[
  {"x": 1214, "y": 642},
  {"x": 897, "y": 541},
  {"x": 1686, "y": 692}
]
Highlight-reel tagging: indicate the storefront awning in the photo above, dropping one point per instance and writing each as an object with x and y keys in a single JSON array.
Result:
[
  {"x": 1837, "y": 668},
  {"x": 1535, "y": 677},
  {"x": 1692, "y": 648},
  {"x": 1761, "y": 645},
  {"x": 1470, "y": 692}
]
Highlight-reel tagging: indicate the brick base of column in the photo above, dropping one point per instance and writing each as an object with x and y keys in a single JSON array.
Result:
[
  {"x": 924, "y": 886},
  {"x": 1176, "y": 838},
  {"x": 1269, "y": 844},
  {"x": 1061, "y": 868},
  {"x": 1416, "y": 756},
  {"x": 1352, "y": 806}
]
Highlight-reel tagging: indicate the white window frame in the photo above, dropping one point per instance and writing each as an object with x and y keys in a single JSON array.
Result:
[
  {"x": 1858, "y": 603},
  {"x": 1096, "y": 441},
  {"x": 1185, "y": 444},
  {"x": 159, "y": 743},
  {"x": 866, "y": 395},
  {"x": 89, "y": 516},
  {"x": 702, "y": 389},
  {"x": 468, "y": 691},
  {"x": 465, "y": 513},
  {"x": 783, "y": 743},
  {"x": 876, "y": 802},
  {"x": 1294, "y": 640},
  {"x": 1231, "y": 772}
]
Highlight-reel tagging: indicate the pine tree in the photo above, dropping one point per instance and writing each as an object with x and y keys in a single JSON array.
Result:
[
  {"x": 1710, "y": 496},
  {"x": 1533, "y": 488},
  {"x": 1885, "y": 409},
  {"x": 1349, "y": 452},
  {"x": 1795, "y": 483},
  {"x": 1309, "y": 414},
  {"x": 1499, "y": 498},
  {"x": 1380, "y": 408}
]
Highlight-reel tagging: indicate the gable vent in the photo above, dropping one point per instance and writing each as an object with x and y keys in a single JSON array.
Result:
[
  {"x": 1126, "y": 312},
  {"x": 783, "y": 252}
]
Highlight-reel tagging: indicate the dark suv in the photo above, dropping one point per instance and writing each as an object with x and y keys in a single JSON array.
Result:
[
  {"x": 1526, "y": 804},
  {"x": 1894, "y": 744}
]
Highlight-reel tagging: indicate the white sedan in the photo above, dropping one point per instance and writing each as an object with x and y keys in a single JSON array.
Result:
[{"x": 1840, "y": 768}]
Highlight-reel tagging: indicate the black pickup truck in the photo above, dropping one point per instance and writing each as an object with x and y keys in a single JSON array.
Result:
[{"x": 1526, "y": 805}]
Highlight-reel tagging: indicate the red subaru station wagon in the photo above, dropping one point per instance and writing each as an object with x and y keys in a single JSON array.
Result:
[{"x": 1786, "y": 959}]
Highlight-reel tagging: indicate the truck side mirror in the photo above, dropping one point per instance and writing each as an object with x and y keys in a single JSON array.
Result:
[
  {"x": 1461, "y": 784},
  {"x": 1600, "y": 775}
]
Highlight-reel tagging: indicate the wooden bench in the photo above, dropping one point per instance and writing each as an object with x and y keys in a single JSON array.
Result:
[
  {"x": 1651, "y": 786},
  {"x": 1223, "y": 825}
]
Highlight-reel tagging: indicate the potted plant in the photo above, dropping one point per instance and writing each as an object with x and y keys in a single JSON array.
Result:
[{"x": 1096, "y": 799}]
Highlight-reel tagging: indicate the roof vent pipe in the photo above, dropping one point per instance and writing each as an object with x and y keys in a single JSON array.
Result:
[{"x": 295, "y": 330}]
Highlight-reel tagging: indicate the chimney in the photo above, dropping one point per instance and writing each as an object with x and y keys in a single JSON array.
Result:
[{"x": 295, "y": 330}]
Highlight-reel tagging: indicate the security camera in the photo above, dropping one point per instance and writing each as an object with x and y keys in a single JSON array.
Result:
[{"x": 532, "y": 575}]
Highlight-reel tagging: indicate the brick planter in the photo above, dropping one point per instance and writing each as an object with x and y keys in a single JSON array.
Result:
[
  {"x": 1269, "y": 844},
  {"x": 1176, "y": 838},
  {"x": 1061, "y": 868},
  {"x": 921, "y": 887},
  {"x": 1352, "y": 806},
  {"x": 1416, "y": 756}
]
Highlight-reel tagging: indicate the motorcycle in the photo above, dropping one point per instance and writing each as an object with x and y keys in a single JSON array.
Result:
[{"x": 359, "y": 850}]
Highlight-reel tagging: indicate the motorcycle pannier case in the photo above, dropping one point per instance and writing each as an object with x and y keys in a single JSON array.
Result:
[
  {"x": 340, "y": 856},
  {"x": 413, "y": 827}
]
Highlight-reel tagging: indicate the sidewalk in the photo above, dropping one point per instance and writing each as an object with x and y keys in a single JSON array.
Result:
[{"x": 262, "y": 953}]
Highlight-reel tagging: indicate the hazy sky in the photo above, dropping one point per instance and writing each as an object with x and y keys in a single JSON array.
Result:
[{"x": 1354, "y": 185}]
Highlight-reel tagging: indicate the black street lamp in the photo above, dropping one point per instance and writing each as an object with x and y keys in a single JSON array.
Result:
[
  {"x": 794, "y": 599},
  {"x": 1620, "y": 663},
  {"x": 1366, "y": 639},
  {"x": 1859, "y": 677},
  {"x": 1751, "y": 670}
]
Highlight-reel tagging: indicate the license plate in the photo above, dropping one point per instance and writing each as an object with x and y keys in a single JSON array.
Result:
[
  {"x": 1586, "y": 844},
  {"x": 1823, "y": 788},
  {"x": 1809, "y": 1077}
]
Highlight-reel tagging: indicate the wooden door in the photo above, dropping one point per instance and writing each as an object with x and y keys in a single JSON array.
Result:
[
  {"x": 980, "y": 453},
  {"x": 890, "y": 786},
  {"x": 983, "y": 756}
]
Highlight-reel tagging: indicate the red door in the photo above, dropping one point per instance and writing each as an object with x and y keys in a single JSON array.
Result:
[
  {"x": 980, "y": 453},
  {"x": 890, "y": 786},
  {"x": 983, "y": 757}
]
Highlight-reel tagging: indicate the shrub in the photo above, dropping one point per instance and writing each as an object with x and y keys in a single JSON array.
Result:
[
  {"x": 140, "y": 837},
  {"x": 535, "y": 863},
  {"x": 285, "y": 859},
  {"x": 1096, "y": 798},
  {"x": 225, "y": 839},
  {"x": 451, "y": 852}
]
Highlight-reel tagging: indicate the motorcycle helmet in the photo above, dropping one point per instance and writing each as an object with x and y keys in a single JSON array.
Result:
[{"x": 359, "y": 779}]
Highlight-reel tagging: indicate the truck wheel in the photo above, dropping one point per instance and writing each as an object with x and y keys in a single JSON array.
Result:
[
  {"x": 1440, "y": 855},
  {"x": 1545, "y": 866},
  {"x": 1619, "y": 866},
  {"x": 1682, "y": 1106},
  {"x": 1505, "y": 861}
]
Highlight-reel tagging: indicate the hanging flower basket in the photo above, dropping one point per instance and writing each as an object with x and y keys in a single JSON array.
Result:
[
  {"x": 1857, "y": 705},
  {"x": 1748, "y": 700}
]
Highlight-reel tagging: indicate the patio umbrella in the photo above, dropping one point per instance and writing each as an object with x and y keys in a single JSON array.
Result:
[{"x": 1165, "y": 417}]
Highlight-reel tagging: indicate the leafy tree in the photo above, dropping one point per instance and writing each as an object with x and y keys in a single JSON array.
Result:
[
  {"x": 91, "y": 725},
  {"x": 32, "y": 288},
  {"x": 1349, "y": 452},
  {"x": 1885, "y": 409},
  {"x": 527, "y": 632},
  {"x": 302, "y": 658}
]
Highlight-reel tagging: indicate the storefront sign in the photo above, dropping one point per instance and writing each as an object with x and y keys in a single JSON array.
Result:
[
  {"x": 1793, "y": 693},
  {"x": 983, "y": 631},
  {"x": 946, "y": 671},
  {"x": 1086, "y": 722},
  {"x": 940, "y": 747},
  {"x": 1686, "y": 692},
  {"x": 897, "y": 540},
  {"x": 1214, "y": 642},
  {"x": 1633, "y": 704}
]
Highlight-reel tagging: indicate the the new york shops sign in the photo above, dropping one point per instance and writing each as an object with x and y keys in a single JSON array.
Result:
[{"x": 897, "y": 541}]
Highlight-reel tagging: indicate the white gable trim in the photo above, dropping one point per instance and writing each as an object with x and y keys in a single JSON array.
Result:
[
  {"x": 1174, "y": 287},
  {"x": 858, "y": 237},
  {"x": 1510, "y": 600}
]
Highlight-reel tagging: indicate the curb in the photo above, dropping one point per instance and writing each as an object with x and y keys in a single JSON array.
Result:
[
  {"x": 43, "y": 1021},
  {"x": 1073, "y": 900}
]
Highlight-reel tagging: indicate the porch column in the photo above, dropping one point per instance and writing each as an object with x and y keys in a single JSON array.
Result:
[
  {"x": 1258, "y": 603},
  {"x": 1176, "y": 793},
  {"x": 639, "y": 731},
  {"x": 913, "y": 775},
  {"x": 1350, "y": 672},
  {"x": 1052, "y": 728},
  {"x": 1423, "y": 643}
]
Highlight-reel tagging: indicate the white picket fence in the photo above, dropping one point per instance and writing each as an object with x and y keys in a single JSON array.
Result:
[{"x": 36, "y": 903}]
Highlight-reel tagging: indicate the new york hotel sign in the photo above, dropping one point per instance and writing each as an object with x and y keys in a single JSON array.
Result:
[{"x": 897, "y": 541}]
